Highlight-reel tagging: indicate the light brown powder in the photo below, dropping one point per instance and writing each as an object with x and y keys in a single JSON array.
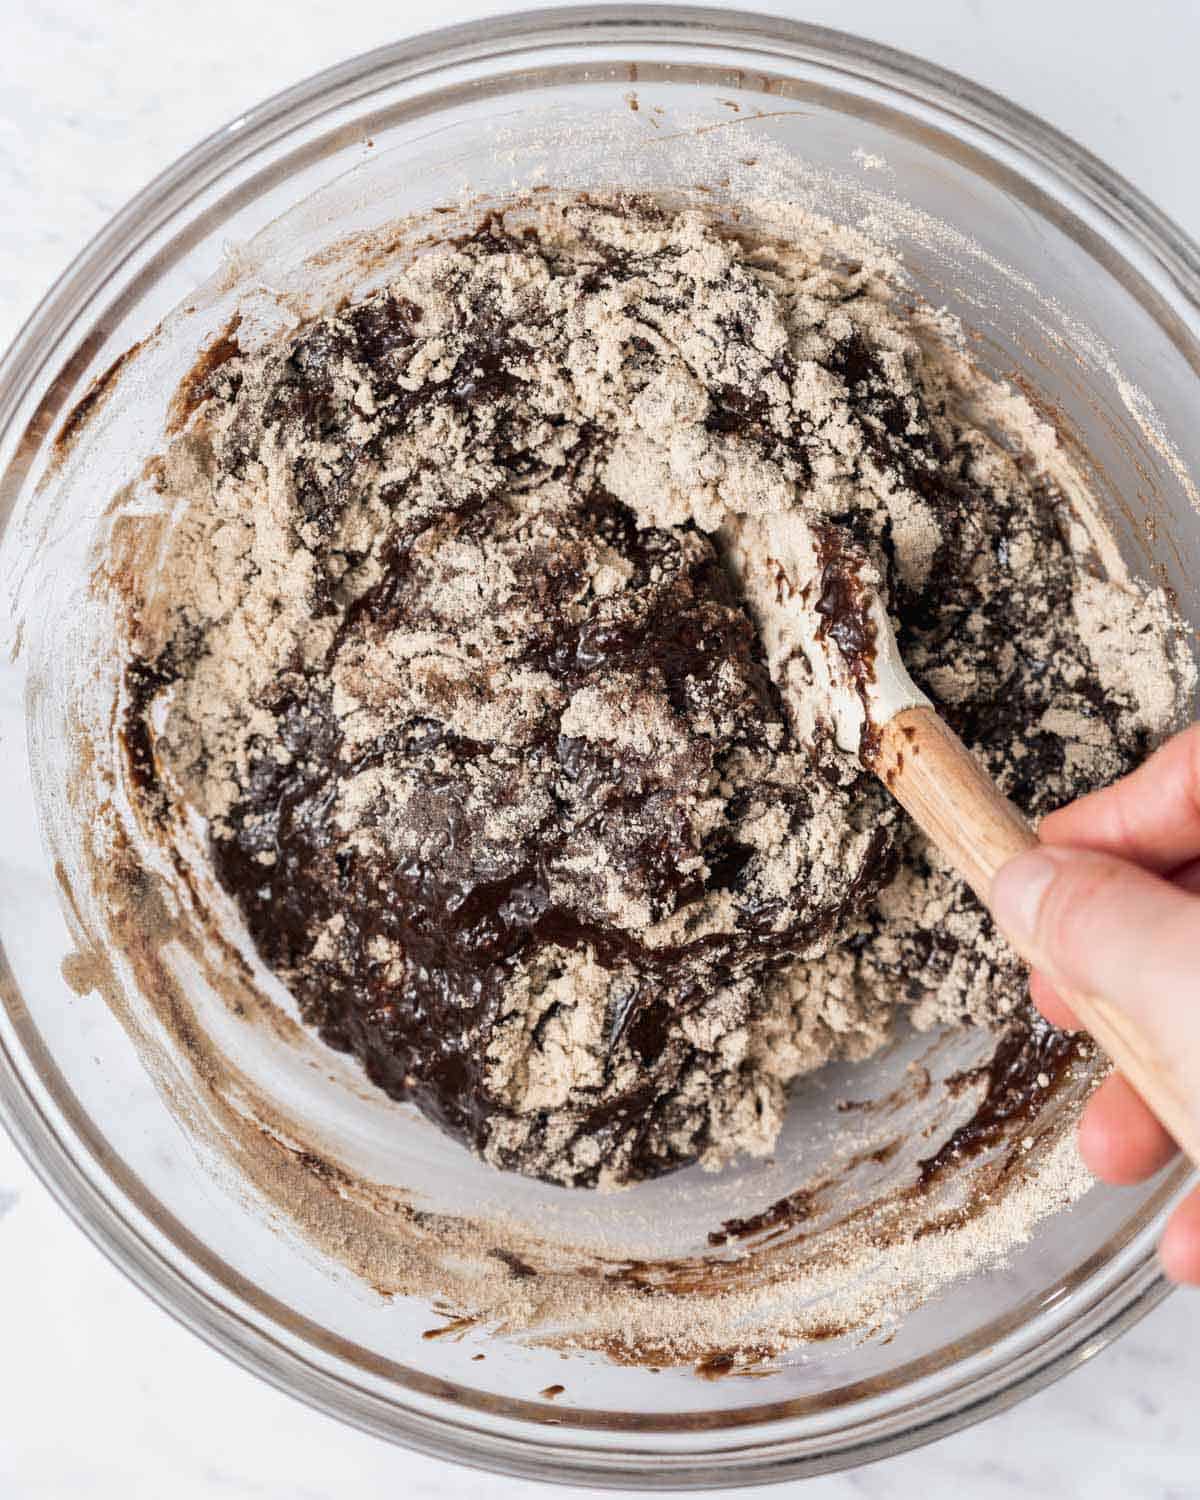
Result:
[{"x": 390, "y": 524}]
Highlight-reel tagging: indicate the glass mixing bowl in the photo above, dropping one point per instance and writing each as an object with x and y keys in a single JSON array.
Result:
[{"x": 1070, "y": 284}]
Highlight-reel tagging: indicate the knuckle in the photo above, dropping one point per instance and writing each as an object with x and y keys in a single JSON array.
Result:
[{"x": 1076, "y": 908}]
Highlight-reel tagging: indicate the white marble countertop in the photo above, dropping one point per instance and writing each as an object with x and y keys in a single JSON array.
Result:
[{"x": 103, "y": 1396}]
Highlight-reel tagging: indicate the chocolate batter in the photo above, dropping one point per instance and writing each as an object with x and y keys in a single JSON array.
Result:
[{"x": 490, "y": 756}]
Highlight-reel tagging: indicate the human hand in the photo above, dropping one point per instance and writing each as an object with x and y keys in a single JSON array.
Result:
[{"x": 1112, "y": 908}]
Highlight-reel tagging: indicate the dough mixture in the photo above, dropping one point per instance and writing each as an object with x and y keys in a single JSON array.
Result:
[{"x": 445, "y": 650}]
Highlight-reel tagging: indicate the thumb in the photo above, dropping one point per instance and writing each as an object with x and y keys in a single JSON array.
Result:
[{"x": 1096, "y": 925}]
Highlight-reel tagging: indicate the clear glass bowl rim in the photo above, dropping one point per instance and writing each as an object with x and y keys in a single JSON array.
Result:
[{"x": 1022, "y": 137}]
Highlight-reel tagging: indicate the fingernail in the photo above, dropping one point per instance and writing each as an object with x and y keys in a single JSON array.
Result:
[{"x": 1017, "y": 893}]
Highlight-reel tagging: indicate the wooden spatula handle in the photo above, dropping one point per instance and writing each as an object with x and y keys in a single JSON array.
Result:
[
  {"x": 950, "y": 796},
  {"x": 953, "y": 800}
]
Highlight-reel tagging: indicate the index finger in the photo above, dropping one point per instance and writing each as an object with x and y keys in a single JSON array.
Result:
[{"x": 1151, "y": 816}]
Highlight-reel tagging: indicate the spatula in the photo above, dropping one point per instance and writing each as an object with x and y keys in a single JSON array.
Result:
[{"x": 832, "y": 651}]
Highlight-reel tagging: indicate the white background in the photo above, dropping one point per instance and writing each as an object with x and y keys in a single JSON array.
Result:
[{"x": 101, "y": 1395}]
